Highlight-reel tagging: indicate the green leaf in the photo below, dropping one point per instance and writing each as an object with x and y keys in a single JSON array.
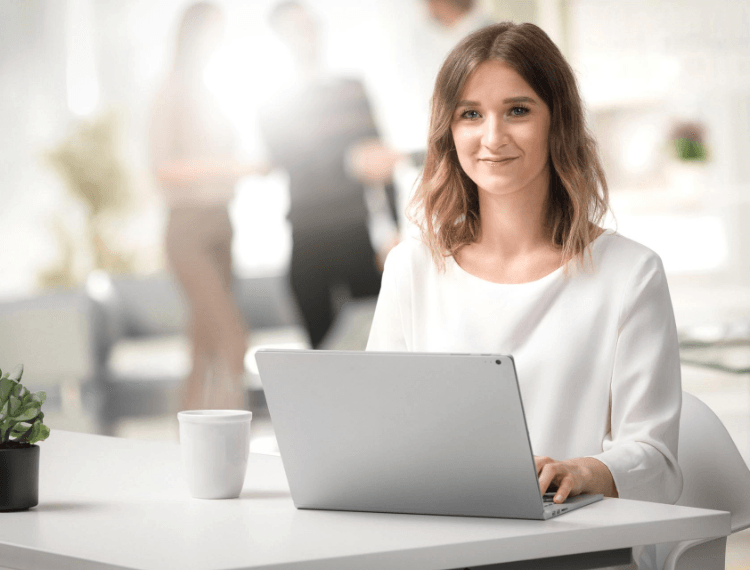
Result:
[
  {"x": 15, "y": 405},
  {"x": 28, "y": 413},
  {"x": 6, "y": 385},
  {"x": 39, "y": 432},
  {"x": 5, "y": 429},
  {"x": 20, "y": 430},
  {"x": 40, "y": 397},
  {"x": 17, "y": 373},
  {"x": 4, "y": 410},
  {"x": 36, "y": 429}
]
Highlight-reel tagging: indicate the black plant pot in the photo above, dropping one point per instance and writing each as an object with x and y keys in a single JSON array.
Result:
[{"x": 19, "y": 478}]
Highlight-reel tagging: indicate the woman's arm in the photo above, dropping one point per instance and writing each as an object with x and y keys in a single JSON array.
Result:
[
  {"x": 639, "y": 454},
  {"x": 646, "y": 391},
  {"x": 387, "y": 331},
  {"x": 574, "y": 477},
  {"x": 185, "y": 172}
]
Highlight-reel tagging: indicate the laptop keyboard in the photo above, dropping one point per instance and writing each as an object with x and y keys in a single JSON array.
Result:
[{"x": 550, "y": 506}]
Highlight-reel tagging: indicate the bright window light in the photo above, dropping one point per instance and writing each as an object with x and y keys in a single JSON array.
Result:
[
  {"x": 685, "y": 243},
  {"x": 81, "y": 80},
  {"x": 241, "y": 81}
]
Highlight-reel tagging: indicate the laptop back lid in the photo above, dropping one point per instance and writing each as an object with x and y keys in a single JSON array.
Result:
[{"x": 441, "y": 434}]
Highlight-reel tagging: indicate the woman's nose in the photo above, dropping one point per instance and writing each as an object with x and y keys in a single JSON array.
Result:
[{"x": 493, "y": 134}]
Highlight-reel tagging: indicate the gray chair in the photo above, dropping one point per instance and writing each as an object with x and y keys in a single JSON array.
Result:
[
  {"x": 715, "y": 476},
  {"x": 49, "y": 334},
  {"x": 143, "y": 352}
]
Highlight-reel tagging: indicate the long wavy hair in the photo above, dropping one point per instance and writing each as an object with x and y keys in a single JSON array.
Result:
[{"x": 445, "y": 205}]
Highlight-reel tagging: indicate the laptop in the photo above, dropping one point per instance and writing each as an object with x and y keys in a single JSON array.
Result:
[{"x": 398, "y": 432}]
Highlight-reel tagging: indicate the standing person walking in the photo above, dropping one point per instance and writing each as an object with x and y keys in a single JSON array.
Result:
[
  {"x": 322, "y": 133},
  {"x": 192, "y": 152}
]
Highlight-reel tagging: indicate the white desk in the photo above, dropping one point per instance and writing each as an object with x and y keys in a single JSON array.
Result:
[{"x": 109, "y": 503}]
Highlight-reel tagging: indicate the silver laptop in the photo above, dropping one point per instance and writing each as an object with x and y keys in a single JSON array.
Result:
[{"x": 438, "y": 434}]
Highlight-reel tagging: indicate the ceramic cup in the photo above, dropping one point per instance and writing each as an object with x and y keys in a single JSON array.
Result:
[{"x": 215, "y": 447}]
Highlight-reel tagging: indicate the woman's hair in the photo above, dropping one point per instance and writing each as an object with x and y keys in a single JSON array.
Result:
[
  {"x": 197, "y": 21},
  {"x": 446, "y": 203}
]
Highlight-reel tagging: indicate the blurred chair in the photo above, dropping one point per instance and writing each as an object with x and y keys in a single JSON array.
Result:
[
  {"x": 49, "y": 334},
  {"x": 351, "y": 327},
  {"x": 143, "y": 352},
  {"x": 715, "y": 476}
]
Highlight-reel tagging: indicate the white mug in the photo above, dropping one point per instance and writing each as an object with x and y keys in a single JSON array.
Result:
[{"x": 215, "y": 447}]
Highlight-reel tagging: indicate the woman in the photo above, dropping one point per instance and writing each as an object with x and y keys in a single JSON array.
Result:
[
  {"x": 512, "y": 260},
  {"x": 192, "y": 147}
]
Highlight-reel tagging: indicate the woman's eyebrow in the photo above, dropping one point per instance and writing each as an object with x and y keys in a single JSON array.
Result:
[{"x": 520, "y": 100}]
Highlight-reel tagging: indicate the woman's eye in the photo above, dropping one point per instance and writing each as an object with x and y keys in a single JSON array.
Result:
[
  {"x": 518, "y": 111},
  {"x": 470, "y": 115}
]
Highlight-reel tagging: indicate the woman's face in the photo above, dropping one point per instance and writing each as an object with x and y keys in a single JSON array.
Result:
[{"x": 501, "y": 129}]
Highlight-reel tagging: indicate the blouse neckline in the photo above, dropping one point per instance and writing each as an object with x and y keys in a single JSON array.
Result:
[{"x": 549, "y": 277}]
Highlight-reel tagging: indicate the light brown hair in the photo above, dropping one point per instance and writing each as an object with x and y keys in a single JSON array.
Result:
[{"x": 446, "y": 203}]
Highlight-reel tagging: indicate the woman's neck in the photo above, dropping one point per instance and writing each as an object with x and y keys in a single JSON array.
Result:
[
  {"x": 514, "y": 244},
  {"x": 513, "y": 224}
]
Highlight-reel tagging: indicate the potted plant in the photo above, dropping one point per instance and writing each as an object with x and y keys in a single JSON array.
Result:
[
  {"x": 687, "y": 171},
  {"x": 21, "y": 428}
]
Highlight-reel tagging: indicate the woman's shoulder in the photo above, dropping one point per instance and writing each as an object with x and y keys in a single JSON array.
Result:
[
  {"x": 618, "y": 255},
  {"x": 613, "y": 245},
  {"x": 410, "y": 253}
]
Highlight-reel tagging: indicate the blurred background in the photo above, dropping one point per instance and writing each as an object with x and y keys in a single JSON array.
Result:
[{"x": 88, "y": 300}]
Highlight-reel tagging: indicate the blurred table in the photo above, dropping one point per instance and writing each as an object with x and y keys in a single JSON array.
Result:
[
  {"x": 730, "y": 355},
  {"x": 113, "y": 503}
]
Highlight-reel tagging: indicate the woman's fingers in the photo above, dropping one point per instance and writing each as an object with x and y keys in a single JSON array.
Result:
[
  {"x": 547, "y": 476},
  {"x": 540, "y": 461},
  {"x": 574, "y": 476},
  {"x": 558, "y": 474},
  {"x": 564, "y": 488}
]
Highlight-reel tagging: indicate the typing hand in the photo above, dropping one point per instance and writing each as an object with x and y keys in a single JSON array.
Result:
[{"x": 574, "y": 477}]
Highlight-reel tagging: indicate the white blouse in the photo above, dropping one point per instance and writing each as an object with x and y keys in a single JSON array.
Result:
[{"x": 595, "y": 350}]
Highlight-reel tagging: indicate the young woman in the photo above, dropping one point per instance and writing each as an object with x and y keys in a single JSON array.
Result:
[
  {"x": 512, "y": 260},
  {"x": 192, "y": 152}
]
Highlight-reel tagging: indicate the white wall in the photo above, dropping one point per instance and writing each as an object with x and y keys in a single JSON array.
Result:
[
  {"x": 656, "y": 63},
  {"x": 662, "y": 59}
]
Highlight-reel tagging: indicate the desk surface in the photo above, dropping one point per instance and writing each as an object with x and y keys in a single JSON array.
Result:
[
  {"x": 727, "y": 356},
  {"x": 109, "y": 503}
]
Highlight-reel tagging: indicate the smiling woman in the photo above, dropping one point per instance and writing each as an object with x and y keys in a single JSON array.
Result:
[
  {"x": 500, "y": 131},
  {"x": 513, "y": 260},
  {"x": 508, "y": 91}
]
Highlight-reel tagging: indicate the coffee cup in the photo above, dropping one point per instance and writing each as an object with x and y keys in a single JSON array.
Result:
[{"x": 215, "y": 446}]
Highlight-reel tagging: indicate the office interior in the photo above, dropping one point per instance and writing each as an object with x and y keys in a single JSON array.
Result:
[{"x": 90, "y": 307}]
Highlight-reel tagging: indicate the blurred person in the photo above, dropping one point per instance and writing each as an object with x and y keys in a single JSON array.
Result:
[
  {"x": 512, "y": 259},
  {"x": 421, "y": 49},
  {"x": 322, "y": 133},
  {"x": 193, "y": 154},
  {"x": 447, "y": 22}
]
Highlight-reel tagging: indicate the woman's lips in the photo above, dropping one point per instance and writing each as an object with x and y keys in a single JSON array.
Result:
[{"x": 498, "y": 161}]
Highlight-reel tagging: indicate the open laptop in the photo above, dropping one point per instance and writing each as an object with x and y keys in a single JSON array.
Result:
[{"x": 421, "y": 433}]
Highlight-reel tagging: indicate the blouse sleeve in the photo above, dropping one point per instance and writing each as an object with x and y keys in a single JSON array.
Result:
[
  {"x": 646, "y": 393},
  {"x": 387, "y": 331}
]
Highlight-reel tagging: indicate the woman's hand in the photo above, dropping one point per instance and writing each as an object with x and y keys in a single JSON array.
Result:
[{"x": 574, "y": 477}]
